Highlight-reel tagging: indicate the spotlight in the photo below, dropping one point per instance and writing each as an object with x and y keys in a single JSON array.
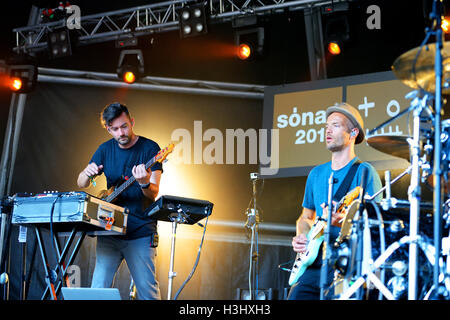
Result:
[
  {"x": 58, "y": 42},
  {"x": 337, "y": 33},
  {"x": 445, "y": 25},
  {"x": 129, "y": 77},
  {"x": 334, "y": 48},
  {"x": 249, "y": 43},
  {"x": 192, "y": 21},
  {"x": 244, "y": 51},
  {"x": 22, "y": 71},
  {"x": 131, "y": 65},
  {"x": 15, "y": 84}
]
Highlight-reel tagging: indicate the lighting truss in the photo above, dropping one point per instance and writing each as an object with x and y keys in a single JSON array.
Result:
[{"x": 150, "y": 19}]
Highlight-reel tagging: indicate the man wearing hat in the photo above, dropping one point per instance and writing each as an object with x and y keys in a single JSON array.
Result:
[{"x": 344, "y": 129}]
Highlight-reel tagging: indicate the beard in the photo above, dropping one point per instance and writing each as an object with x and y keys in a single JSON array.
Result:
[
  {"x": 335, "y": 147},
  {"x": 123, "y": 140}
]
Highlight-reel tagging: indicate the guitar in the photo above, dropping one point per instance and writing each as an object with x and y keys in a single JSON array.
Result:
[
  {"x": 315, "y": 238},
  {"x": 112, "y": 193}
]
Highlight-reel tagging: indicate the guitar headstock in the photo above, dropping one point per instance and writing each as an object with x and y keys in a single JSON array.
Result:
[{"x": 163, "y": 153}]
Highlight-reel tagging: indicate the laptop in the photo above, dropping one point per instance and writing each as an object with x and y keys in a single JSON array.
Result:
[{"x": 90, "y": 293}]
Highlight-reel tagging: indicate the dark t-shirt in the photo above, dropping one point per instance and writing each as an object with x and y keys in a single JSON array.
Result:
[{"x": 117, "y": 164}]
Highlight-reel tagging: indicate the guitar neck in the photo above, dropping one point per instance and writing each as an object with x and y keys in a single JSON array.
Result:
[{"x": 128, "y": 182}]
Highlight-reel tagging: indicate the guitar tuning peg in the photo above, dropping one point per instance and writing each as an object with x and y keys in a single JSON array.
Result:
[{"x": 165, "y": 160}]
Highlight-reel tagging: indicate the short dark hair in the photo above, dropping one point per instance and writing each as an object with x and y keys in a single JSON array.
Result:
[{"x": 113, "y": 111}]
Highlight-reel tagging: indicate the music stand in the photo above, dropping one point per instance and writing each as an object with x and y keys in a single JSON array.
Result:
[{"x": 178, "y": 210}]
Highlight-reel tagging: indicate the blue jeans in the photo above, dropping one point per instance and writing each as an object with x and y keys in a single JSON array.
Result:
[{"x": 140, "y": 258}]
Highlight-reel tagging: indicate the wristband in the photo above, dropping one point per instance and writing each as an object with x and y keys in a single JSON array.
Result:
[{"x": 144, "y": 186}]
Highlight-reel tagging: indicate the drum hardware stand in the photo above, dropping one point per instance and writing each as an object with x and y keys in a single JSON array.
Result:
[
  {"x": 414, "y": 193},
  {"x": 437, "y": 169},
  {"x": 392, "y": 201},
  {"x": 418, "y": 104},
  {"x": 376, "y": 265},
  {"x": 253, "y": 220}
]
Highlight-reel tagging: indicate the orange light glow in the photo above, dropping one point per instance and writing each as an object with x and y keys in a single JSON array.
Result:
[
  {"x": 15, "y": 84},
  {"x": 334, "y": 48},
  {"x": 129, "y": 77},
  {"x": 445, "y": 25},
  {"x": 244, "y": 51}
]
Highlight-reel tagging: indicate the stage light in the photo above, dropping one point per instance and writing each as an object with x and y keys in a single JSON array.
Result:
[
  {"x": 15, "y": 84},
  {"x": 249, "y": 43},
  {"x": 58, "y": 42},
  {"x": 129, "y": 77},
  {"x": 445, "y": 25},
  {"x": 192, "y": 20},
  {"x": 22, "y": 73},
  {"x": 244, "y": 51},
  {"x": 334, "y": 48},
  {"x": 131, "y": 65},
  {"x": 336, "y": 33}
]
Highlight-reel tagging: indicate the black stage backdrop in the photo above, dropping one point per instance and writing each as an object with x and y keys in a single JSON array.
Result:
[{"x": 60, "y": 132}]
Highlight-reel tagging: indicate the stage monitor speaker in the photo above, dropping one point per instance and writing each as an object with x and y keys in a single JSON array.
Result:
[
  {"x": 90, "y": 293},
  {"x": 261, "y": 294}
]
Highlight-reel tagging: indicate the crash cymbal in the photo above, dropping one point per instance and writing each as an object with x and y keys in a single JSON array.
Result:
[
  {"x": 423, "y": 75},
  {"x": 396, "y": 146}
]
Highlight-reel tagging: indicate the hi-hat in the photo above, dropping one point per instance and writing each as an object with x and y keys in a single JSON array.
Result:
[
  {"x": 420, "y": 73},
  {"x": 393, "y": 145}
]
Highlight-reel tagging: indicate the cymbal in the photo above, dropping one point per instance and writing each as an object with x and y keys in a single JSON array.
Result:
[
  {"x": 423, "y": 76},
  {"x": 396, "y": 146}
]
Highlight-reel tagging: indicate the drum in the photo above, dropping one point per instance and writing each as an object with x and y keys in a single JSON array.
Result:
[{"x": 382, "y": 229}]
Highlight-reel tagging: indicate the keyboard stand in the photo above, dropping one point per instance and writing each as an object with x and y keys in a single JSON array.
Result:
[{"x": 53, "y": 281}]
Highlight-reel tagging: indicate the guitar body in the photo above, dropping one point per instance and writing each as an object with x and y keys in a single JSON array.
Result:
[
  {"x": 105, "y": 193},
  {"x": 303, "y": 260},
  {"x": 112, "y": 193},
  {"x": 315, "y": 237}
]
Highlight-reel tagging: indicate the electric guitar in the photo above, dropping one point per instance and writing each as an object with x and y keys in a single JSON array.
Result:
[
  {"x": 112, "y": 193},
  {"x": 315, "y": 238}
]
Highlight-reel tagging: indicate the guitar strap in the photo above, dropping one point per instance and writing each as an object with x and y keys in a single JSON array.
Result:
[
  {"x": 340, "y": 193},
  {"x": 345, "y": 185}
]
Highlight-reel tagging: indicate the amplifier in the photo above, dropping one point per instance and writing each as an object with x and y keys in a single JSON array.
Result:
[{"x": 66, "y": 210}]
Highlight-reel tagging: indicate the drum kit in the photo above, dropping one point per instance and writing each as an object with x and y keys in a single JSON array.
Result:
[{"x": 401, "y": 248}]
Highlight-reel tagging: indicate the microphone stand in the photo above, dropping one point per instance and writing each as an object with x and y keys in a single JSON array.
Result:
[
  {"x": 360, "y": 232},
  {"x": 252, "y": 223},
  {"x": 327, "y": 247}
]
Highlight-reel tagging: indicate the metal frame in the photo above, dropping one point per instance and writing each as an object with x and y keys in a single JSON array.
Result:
[
  {"x": 214, "y": 88},
  {"x": 151, "y": 19}
]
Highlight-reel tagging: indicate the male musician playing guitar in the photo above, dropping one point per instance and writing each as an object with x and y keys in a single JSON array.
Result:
[
  {"x": 120, "y": 158},
  {"x": 344, "y": 129}
]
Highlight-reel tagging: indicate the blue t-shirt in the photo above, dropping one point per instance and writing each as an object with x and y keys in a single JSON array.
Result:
[
  {"x": 316, "y": 191},
  {"x": 117, "y": 164}
]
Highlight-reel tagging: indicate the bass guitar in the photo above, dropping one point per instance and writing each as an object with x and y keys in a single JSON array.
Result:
[
  {"x": 112, "y": 193},
  {"x": 315, "y": 238}
]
